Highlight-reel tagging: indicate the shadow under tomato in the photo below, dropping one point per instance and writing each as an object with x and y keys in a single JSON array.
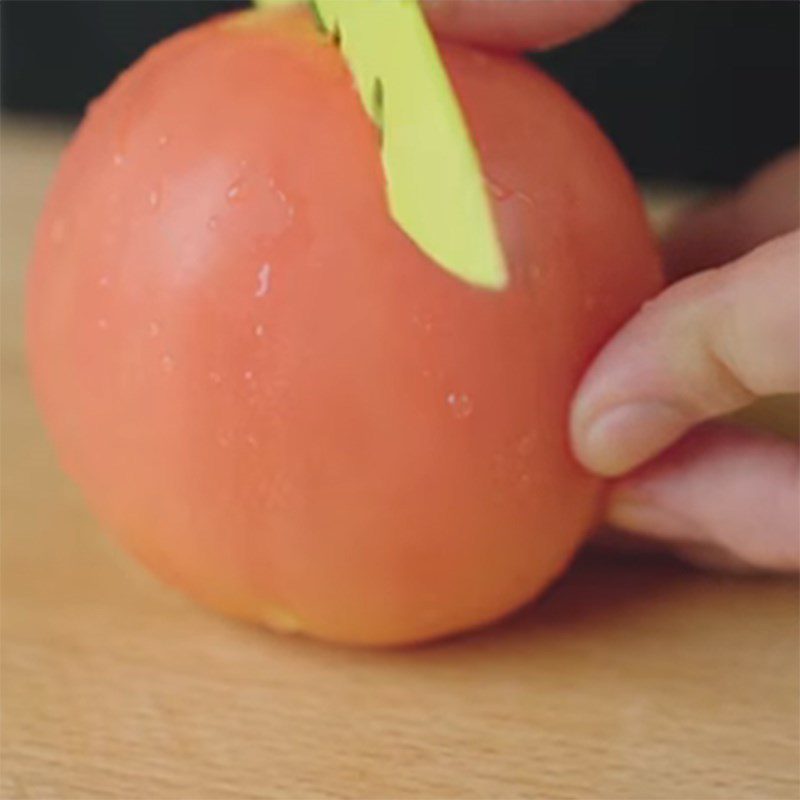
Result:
[
  {"x": 598, "y": 591},
  {"x": 611, "y": 591}
]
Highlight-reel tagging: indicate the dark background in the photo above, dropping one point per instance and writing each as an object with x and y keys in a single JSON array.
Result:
[{"x": 701, "y": 90}]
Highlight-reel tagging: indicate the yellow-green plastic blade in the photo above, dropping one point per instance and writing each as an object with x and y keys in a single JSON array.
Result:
[{"x": 435, "y": 186}]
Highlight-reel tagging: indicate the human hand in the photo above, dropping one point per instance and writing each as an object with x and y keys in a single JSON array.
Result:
[
  {"x": 520, "y": 24},
  {"x": 708, "y": 345}
]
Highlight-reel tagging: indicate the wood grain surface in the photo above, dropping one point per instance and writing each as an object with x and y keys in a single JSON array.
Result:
[{"x": 631, "y": 679}]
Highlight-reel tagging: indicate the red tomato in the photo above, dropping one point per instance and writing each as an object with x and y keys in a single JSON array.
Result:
[{"x": 268, "y": 393}]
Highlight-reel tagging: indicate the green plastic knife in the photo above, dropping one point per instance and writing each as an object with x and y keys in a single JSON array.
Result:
[{"x": 434, "y": 184}]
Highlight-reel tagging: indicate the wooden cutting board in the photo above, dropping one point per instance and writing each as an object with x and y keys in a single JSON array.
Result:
[{"x": 631, "y": 679}]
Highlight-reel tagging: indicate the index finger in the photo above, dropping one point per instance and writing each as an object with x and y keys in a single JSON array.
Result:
[
  {"x": 706, "y": 346},
  {"x": 520, "y": 24}
]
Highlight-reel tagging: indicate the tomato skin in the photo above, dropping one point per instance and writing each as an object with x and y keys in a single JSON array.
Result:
[{"x": 268, "y": 393}]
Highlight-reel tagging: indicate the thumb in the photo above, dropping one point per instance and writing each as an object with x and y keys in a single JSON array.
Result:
[{"x": 520, "y": 24}]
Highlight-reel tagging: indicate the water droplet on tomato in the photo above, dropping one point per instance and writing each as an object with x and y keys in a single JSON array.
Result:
[
  {"x": 102, "y": 324},
  {"x": 525, "y": 445},
  {"x": 167, "y": 363},
  {"x": 163, "y": 140},
  {"x": 424, "y": 321},
  {"x": 248, "y": 375},
  {"x": 461, "y": 405},
  {"x": 103, "y": 281},
  {"x": 154, "y": 198},
  {"x": 263, "y": 280},
  {"x": 153, "y": 329},
  {"x": 498, "y": 191},
  {"x": 504, "y": 193},
  {"x": 289, "y": 208},
  {"x": 118, "y": 159},
  {"x": 521, "y": 196},
  {"x": 234, "y": 190},
  {"x": 259, "y": 330},
  {"x": 252, "y": 441}
]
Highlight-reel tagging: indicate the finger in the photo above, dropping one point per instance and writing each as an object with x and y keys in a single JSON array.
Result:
[
  {"x": 518, "y": 24},
  {"x": 726, "y": 496},
  {"x": 768, "y": 205},
  {"x": 706, "y": 346}
]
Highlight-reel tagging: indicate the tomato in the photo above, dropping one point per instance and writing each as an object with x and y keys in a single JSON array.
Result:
[{"x": 268, "y": 393}]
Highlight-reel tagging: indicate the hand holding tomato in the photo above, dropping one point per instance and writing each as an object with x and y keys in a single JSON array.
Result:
[{"x": 708, "y": 345}]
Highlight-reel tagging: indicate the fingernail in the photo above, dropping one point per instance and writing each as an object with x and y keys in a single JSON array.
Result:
[{"x": 625, "y": 436}]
